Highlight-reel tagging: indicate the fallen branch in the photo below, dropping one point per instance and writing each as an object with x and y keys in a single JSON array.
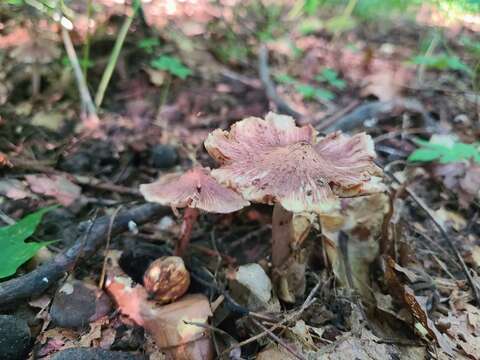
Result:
[
  {"x": 376, "y": 110},
  {"x": 264, "y": 72},
  {"x": 91, "y": 235}
]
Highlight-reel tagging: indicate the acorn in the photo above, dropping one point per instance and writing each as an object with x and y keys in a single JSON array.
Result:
[{"x": 166, "y": 279}]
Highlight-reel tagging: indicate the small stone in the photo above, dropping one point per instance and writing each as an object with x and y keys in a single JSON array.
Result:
[
  {"x": 77, "y": 304},
  {"x": 15, "y": 338},
  {"x": 251, "y": 287},
  {"x": 94, "y": 354},
  {"x": 77, "y": 163},
  {"x": 163, "y": 156}
]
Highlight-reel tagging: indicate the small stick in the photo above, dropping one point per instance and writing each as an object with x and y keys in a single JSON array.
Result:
[
  {"x": 267, "y": 82},
  {"x": 107, "y": 246},
  {"x": 112, "y": 62},
  {"x": 279, "y": 341},
  {"x": 444, "y": 234},
  {"x": 82, "y": 85},
  {"x": 308, "y": 301}
]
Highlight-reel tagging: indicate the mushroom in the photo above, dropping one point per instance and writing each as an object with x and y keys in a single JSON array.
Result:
[
  {"x": 180, "y": 329},
  {"x": 38, "y": 51},
  {"x": 273, "y": 161},
  {"x": 196, "y": 189}
]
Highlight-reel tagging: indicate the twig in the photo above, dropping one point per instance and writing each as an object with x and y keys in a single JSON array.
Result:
[
  {"x": 444, "y": 234},
  {"x": 107, "y": 246},
  {"x": 40, "y": 279},
  {"x": 78, "y": 179},
  {"x": 264, "y": 73},
  {"x": 308, "y": 301},
  {"x": 378, "y": 110},
  {"x": 329, "y": 121},
  {"x": 112, "y": 62},
  {"x": 85, "y": 96},
  {"x": 279, "y": 341}
]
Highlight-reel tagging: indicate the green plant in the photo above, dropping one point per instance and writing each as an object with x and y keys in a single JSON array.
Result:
[
  {"x": 308, "y": 92},
  {"x": 330, "y": 76},
  {"x": 442, "y": 62},
  {"x": 445, "y": 153},
  {"x": 112, "y": 61},
  {"x": 172, "y": 65},
  {"x": 15, "y": 251},
  {"x": 149, "y": 44}
]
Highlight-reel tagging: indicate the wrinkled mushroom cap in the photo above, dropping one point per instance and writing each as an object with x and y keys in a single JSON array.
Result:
[
  {"x": 196, "y": 189},
  {"x": 273, "y": 160},
  {"x": 39, "y": 50}
]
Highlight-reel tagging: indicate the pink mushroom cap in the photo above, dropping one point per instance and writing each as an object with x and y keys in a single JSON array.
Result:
[
  {"x": 195, "y": 188},
  {"x": 273, "y": 160}
]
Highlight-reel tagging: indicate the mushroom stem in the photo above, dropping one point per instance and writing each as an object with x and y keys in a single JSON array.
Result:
[
  {"x": 289, "y": 231},
  {"x": 35, "y": 80},
  {"x": 282, "y": 235},
  {"x": 189, "y": 219}
]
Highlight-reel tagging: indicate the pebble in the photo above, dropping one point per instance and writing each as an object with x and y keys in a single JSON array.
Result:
[
  {"x": 94, "y": 354},
  {"x": 15, "y": 338},
  {"x": 163, "y": 156},
  {"x": 77, "y": 304}
]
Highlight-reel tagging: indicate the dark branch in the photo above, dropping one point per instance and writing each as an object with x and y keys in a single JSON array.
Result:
[{"x": 92, "y": 234}]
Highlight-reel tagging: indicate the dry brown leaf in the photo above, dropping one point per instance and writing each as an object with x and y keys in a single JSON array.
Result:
[
  {"x": 387, "y": 84},
  {"x": 416, "y": 306},
  {"x": 14, "y": 189},
  {"x": 58, "y": 186},
  {"x": 361, "y": 218}
]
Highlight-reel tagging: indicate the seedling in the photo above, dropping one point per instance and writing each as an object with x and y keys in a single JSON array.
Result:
[
  {"x": 442, "y": 62},
  {"x": 330, "y": 76},
  {"x": 445, "y": 153},
  {"x": 172, "y": 65},
  {"x": 149, "y": 45},
  {"x": 308, "y": 92}
]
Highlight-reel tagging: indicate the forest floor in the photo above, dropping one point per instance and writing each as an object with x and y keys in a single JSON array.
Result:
[{"x": 410, "y": 80}]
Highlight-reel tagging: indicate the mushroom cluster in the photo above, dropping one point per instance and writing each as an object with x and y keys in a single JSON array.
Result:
[{"x": 273, "y": 161}]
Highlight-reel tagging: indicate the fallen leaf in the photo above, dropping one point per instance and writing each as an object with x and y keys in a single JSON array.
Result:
[
  {"x": 50, "y": 120},
  {"x": 447, "y": 217},
  {"x": 58, "y": 186},
  {"x": 14, "y": 189},
  {"x": 416, "y": 306},
  {"x": 387, "y": 84}
]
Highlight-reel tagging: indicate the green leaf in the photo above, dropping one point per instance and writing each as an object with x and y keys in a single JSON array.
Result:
[
  {"x": 445, "y": 154},
  {"x": 442, "y": 62},
  {"x": 172, "y": 65},
  {"x": 330, "y": 76},
  {"x": 148, "y": 44},
  {"x": 285, "y": 79},
  {"x": 15, "y": 251},
  {"x": 424, "y": 155},
  {"x": 309, "y": 92},
  {"x": 311, "y": 6}
]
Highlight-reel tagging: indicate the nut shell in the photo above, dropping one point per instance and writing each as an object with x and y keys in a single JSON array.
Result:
[{"x": 166, "y": 279}]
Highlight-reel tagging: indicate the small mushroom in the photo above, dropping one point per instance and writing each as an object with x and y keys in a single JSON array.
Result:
[
  {"x": 38, "y": 51},
  {"x": 273, "y": 161},
  {"x": 194, "y": 190},
  {"x": 180, "y": 329},
  {"x": 166, "y": 279}
]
